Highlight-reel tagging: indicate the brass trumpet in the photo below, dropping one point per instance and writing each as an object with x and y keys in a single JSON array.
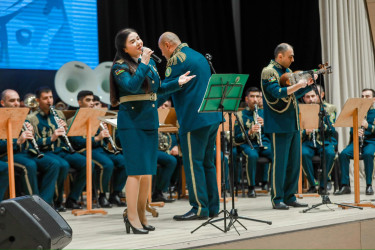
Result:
[{"x": 31, "y": 102}]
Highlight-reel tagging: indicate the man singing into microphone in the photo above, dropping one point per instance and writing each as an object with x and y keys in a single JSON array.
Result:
[{"x": 281, "y": 121}]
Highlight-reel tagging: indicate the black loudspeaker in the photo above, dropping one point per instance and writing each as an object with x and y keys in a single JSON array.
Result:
[{"x": 28, "y": 222}]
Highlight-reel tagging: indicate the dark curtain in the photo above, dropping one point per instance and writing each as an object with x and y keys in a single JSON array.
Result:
[
  {"x": 267, "y": 23},
  {"x": 207, "y": 26}
]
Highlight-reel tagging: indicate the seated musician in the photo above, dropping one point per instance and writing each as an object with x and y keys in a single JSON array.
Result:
[
  {"x": 4, "y": 179},
  {"x": 50, "y": 133},
  {"x": 167, "y": 162},
  {"x": 97, "y": 102},
  {"x": 110, "y": 162},
  {"x": 166, "y": 159},
  {"x": 26, "y": 157},
  {"x": 312, "y": 143},
  {"x": 366, "y": 148},
  {"x": 252, "y": 122}
]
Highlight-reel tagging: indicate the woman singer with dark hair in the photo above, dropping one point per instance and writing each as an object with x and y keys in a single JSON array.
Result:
[{"x": 135, "y": 84}]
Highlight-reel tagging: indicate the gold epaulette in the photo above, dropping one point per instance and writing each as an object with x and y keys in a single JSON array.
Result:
[
  {"x": 120, "y": 61},
  {"x": 269, "y": 72},
  {"x": 179, "y": 56}
]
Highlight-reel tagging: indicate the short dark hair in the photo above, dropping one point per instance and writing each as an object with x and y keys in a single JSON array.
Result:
[
  {"x": 367, "y": 89},
  {"x": 83, "y": 93},
  {"x": 281, "y": 48},
  {"x": 251, "y": 89},
  {"x": 96, "y": 98},
  {"x": 43, "y": 89}
]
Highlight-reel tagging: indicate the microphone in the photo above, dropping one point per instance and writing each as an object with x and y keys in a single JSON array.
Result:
[{"x": 155, "y": 57}]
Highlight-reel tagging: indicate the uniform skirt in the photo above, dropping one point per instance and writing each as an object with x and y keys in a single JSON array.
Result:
[{"x": 139, "y": 148}]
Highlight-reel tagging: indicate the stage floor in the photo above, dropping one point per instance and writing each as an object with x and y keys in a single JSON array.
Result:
[{"x": 108, "y": 231}]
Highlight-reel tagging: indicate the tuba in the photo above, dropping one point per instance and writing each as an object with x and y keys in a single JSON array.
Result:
[{"x": 72, "y": 78}]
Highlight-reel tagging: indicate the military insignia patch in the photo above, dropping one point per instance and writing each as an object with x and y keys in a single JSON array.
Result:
[
  {"x": 168, "y": 71},
  {"x": 272, "y": 79},
  {"x": 119, "y": 71}
]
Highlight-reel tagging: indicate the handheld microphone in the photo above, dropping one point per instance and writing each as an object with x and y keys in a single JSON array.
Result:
[{"x": 155, "y": 57}]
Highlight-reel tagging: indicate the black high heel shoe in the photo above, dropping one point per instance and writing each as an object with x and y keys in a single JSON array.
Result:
[
  {"x": 148, "y": 227},
  {"x": 135, "y": 230}
]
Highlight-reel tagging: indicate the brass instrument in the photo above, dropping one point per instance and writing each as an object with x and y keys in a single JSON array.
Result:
[
  {"x": 260, "y": 127},
  {"x": 110, "y": 140},
  {"x": 33, "y": 141},
  {"x": 165, "y": 141},
  {"x": 31, "y": 102},
  {"x": 65, "y": 137}
]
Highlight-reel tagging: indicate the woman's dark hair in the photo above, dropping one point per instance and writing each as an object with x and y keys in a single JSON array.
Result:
[{"x": 120, "y": 41}]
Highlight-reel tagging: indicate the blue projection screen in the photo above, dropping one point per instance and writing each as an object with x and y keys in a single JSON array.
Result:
[{"x": 45, "y": 34}]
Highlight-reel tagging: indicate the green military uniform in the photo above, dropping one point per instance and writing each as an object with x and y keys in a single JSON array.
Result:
[
  {"x": 105, "y": 159},
  {"x": 167, "y": 164},
  {"x": 368, "y": 151},
  {"x": 25, "y": 159},
  {"x": 281, "y": 121},
  {"x": 311, "y": 148},
  {"x": 44, "y": 125},
  {"x": 138, "y": 120},
  {"x": 4, "y": 179},
  {"x": 197, "y": 130},
  {"x": 248, "y": 118}
]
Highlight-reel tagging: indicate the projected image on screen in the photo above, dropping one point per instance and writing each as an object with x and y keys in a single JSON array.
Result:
[{"x": 45, "y": 34}]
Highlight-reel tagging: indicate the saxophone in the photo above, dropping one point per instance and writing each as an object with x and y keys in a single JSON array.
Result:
[
  {"x": 66, "y": 139},
  {"x": 260, "y": 127}
]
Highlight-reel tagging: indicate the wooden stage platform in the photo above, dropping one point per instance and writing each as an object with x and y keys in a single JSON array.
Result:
[{"x": 326, "y": 227}]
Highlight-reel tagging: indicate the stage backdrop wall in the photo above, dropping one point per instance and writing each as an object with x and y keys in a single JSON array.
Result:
[{"x": 207, "y": 26}]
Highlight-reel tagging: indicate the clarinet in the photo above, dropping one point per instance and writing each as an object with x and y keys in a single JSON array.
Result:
[
  {"x": 313, "y": 138},
  {"x": 66, "y": 139},
  {"x": 361, "y": 141},
  {"x": 260, "y": 127},
  {"x": 115, "y": 150},
  {"x": 33, "y": 141}
]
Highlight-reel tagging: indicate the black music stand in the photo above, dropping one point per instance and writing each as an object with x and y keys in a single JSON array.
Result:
[
  {"x": 323, "y": 116},
  {"x": 223, "y": 94}
]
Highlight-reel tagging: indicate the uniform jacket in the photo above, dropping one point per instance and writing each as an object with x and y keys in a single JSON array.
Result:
[
  {"x": 280, "y": 109},
  {"x": 44, "y": 125},
  {"x": 247, "y": 118},
  {"x": 139, "y": 114},
  {"x": 188, "y": 100},
  {"x": 329, "y": 131}
]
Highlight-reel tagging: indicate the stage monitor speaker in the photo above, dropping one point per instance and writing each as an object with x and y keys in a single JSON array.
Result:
[{"x": 28, "y": 222}]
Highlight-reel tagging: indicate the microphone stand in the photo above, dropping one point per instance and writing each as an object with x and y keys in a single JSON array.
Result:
[{"x": 322, "y": 117}]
